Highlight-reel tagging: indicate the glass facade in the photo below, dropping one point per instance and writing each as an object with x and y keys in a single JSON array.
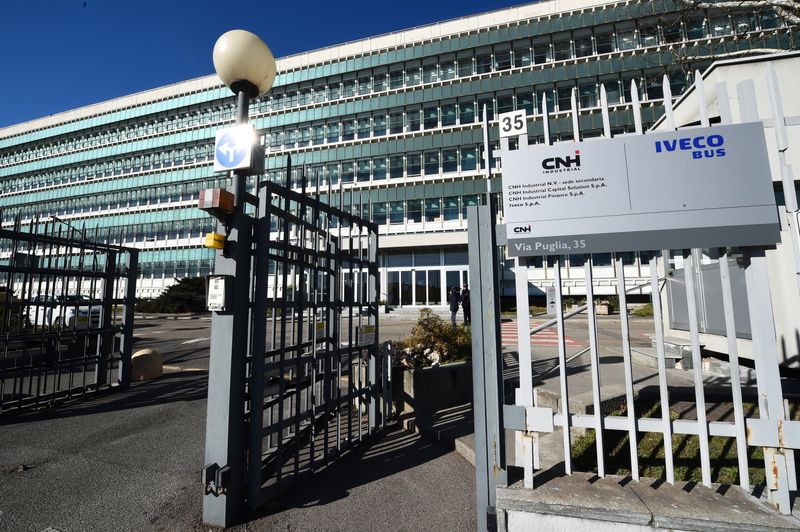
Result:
[{"x": 397, "y": 127}]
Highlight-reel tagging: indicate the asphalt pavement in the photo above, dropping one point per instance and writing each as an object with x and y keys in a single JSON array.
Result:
[{"x": 131, "y": 460}]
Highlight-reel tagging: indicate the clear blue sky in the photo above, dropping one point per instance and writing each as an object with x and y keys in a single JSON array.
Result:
[{"x": 61, "y": 54}]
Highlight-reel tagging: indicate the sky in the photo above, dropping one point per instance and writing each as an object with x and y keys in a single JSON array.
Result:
[{"x": 58, "y": 55}]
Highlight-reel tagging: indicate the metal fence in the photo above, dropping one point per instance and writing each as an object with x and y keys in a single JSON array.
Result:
[
  {"x": 66, "y": 313},
  {"x": 315, "y": 381},
  {"x": 773, "y": 430}
]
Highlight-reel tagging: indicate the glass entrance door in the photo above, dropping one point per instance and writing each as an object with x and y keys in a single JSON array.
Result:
[
  {"x": 405, "y": 288},
  {"x": 393, "y": 288}
]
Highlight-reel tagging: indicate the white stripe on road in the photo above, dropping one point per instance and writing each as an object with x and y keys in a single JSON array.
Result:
[{"x": 195, "y": 341}]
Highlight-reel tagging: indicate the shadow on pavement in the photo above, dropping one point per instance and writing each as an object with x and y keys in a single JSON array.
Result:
[
  {"x": 172, "y": 387},
  {"x": 382, "y": 457}
]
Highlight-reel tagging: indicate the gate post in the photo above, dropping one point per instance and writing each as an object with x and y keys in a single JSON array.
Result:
[{"x": 487, "y": 374}]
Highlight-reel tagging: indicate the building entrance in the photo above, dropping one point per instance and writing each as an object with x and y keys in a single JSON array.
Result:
[{"x": 422, "y": 287}]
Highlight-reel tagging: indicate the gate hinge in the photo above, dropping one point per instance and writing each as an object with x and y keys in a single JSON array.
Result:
[{"x": 216, "y": 479}]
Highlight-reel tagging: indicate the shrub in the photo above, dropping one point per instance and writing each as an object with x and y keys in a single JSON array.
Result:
[
  {"x": 187, "y": 295},
  {"x": 645, "y": 311},
  {"x": 432, "y": 335}
]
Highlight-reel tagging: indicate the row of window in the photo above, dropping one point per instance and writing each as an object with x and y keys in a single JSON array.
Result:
[
  {"x": 602, "y": 39},
  {"x": 154, "y": 160},
  {"x": 548, "y": 48}
]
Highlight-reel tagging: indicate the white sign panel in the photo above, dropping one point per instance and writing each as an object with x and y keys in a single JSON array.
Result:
[
  {"x": 700, "y": 187},
  {"x": 217, "y": 293},
  {"x": 513, "y": 124},
  {"x": 233, "y": 148},
  {"x": 366, "y": 335}
]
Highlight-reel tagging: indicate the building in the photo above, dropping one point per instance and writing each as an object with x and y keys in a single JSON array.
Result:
[{"x": 391, "y": 122}]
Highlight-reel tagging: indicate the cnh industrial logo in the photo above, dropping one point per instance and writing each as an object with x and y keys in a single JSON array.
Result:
[
  {"x": 701, "y": 147},
  {"x": 523, "y": 229},
  {"x": 553, "y": 165}
]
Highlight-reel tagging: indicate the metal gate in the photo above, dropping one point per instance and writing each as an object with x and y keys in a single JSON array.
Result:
[
  {"x": 313, "y": 381},
  {"x": 773, "y": 430},
  {"x": 66, "y": 313}
]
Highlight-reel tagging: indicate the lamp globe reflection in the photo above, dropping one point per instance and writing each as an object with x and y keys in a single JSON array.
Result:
[{"x": 244, "y": 63}]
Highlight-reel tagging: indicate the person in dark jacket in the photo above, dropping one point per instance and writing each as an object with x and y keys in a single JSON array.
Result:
[
  {"x": 466, "y": 305},
  {"x": 454, "y": 298}
]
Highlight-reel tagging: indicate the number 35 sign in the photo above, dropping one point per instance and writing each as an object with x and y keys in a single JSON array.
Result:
[{"x": 513, "y": 124}]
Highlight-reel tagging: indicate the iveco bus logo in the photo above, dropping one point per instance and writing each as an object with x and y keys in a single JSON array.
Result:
[
  {"x": 525, "y": 229},
  {"x": 702, "y": 147},
  {"x": 553, "y": 165}
]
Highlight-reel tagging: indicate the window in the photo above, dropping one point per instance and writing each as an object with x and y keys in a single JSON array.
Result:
[
  {"x": 626, "y": 37},
  {"x": 363, "y": 128},
  {"x": 379, "y": 213},
  {"x": 588, "y": 95},
  {"x": 744, "y": 22},
  {"x": 449, "y": 114},
  {"x": 347, "y": 172},
  {"x": 522, "y": 57},
  {"x": 505, "y": 104},
  {"x": 414, "y": 164},
  {"x": 450, "y": 211},
  {"x": 412, "y": 76},
  {"x": 396, "y": 212},
  {"x": 379, "y": 82},
  {"x": 483, "y": 64},
  {"x": 430, "y": 73},
  {"x": 363, "y": 170},
  {"x": 396, "y": 122},
  {"x": 468, "y": 201},
  {"x": 348, "y": 88},
  {"x": 319, "y": 134},
  {"x": 431, "y": 162},
  {"x": 721, "y": 26},
  {"x": 542, "y": 53},
  {"x": 465, "y": 67},
  {"x": 334, "y": 90},
  {"x": 332, "y": 172},
  {"x": 768, "y": 20},
  {"x": 364, "y": 84},
  {"x": 305, "y": 97},
  {"x": 466, "y": 112},
  {"x": 502, "y": 60},
  {"x": 333, "y": 132},
  {"x": 525, "y": 101},
  {"x": 396, "y": 166},
  {"x": 489, "y": 104},
  {"x": 583, "y": 45},
  {"x": 305, "y": 136},
  {"x": 672, "y": 31},
  {"x": 431, "y": 117},
  {"x": 379, "y": 168},
  {"x": 468, "y": 159},
  {"x": 396, "y": 79},
  {"x": 414, "y": 211},
  {"x": 449, "y": 160},
  {"x": 648, "y": 34},
  {"x": 562, "y": 49},
  {"x": 379, "y": 125},
  {"x": 613, "y": 94},
  {"x": 447, "y": 70},
  {"x": 655, "y": 91},
  {"x": 319, "y": 94},
  {"x": 348, "y": 130},
  {"x": 413, "y": 121},
  {"x": 564, "y": 97},
  {"x": 433, "y": 209},
  {"x": 696, "y": 28}
]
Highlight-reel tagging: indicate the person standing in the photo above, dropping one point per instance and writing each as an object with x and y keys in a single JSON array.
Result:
[
  {"x": 453, "y": 299},
  {"x": 466, "y": 305}
]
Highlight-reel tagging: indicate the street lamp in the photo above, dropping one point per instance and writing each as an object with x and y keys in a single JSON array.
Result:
[{"x": 246, "y": 65}]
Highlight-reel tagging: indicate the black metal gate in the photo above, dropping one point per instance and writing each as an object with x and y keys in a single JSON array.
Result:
[
  {"x": 66, "y": 314},
  {"x": 314, "y": 381}
]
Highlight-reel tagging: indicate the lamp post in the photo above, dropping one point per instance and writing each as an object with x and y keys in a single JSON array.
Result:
[{"x": 246, "y": 65}]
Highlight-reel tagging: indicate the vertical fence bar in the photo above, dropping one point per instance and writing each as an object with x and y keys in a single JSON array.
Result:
[
  {"x": 525, "y": 366},
  {"x": 597, "y": 404},
  {"x": 663, "y": 389},
  {"x": 697, "y": 365},
  {"x": 627, "y": 366},
  {"x": 490, "y": 462},
  {"x": 562, "y": 367}
]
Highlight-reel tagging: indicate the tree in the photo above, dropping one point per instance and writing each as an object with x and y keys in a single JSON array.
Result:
[
  {"x": 187, "y": 295},
  {"x": 788, "y": 10}
]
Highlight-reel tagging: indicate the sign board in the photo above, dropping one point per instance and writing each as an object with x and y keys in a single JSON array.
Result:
[
  {"x": 233, "y": 148},
  {"x": 699, "y": 187},
  {"x": 366, "y": 335},
  {"x": 513, "y": 124},
  {"x": 551, "y": 300},
  {"x": 218, "y": 293}
]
